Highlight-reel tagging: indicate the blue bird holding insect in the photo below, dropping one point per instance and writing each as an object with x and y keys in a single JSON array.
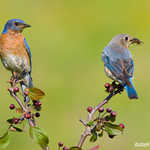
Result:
[{"x": 118, "y": 62}]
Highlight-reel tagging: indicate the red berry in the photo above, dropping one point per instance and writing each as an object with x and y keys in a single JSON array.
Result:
[
  {"x": 38, "y": 103},
  {"x": 101, "y": 109},
  {"x": 89, "y": 109},
  {"x": 107, "y": 85},
  {"x": 113, "y": 114},
  {"x": 28, "y": 115},
  {"x": 111, "y": 88},
  {"x": 60, "y": 144},
  {"x": 16, "y": 89},
  {"x": 65, "y": 148},
  {"x": 109, "y": 110},
  {"x": 122, "y": 125},
  {"x": 15, "y": 120},
  {"x": 37, "y": 114},
  {"x": 12, "y": 106},
  {"x": 26, "y": 93}
]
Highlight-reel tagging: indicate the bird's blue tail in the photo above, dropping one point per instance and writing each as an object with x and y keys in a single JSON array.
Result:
[{"x": 131, "y": 90}]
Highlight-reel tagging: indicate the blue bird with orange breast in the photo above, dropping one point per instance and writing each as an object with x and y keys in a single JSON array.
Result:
[
  {"x": 118, "y": 62},
  {"x": 15, "y": 53}
]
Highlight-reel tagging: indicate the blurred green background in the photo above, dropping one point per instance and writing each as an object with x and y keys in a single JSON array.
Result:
[{"x": 66, "y": 39}]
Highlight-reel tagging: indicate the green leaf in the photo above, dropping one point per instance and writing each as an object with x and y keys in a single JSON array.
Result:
[
  {"x": 75, "y": 148},
  {"x": 109, "y": 131},
  {"x": 10, "y": 121},
  {"x": 35, "y": 93},
  {"x": 37, "y": 134},
  {"x": 91, "y": 123},
  {"x": 112, "y": 129},
  {"x": 110, "y": 118},
  {"x": 93, "y": 137},
  {"x": 4, "y": 140},
  {"x": 113, "y": 126}
]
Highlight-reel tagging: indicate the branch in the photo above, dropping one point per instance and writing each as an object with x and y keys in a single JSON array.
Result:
[
  {"x": 87, "y": 130},
  {"x": 31, "y": 121}
]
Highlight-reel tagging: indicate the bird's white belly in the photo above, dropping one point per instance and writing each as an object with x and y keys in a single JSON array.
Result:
[{"x": 16, "y": 63}]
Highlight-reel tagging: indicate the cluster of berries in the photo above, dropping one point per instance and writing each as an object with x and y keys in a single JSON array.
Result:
[
  {"x": 28, "y": 115},
  {"x": 104, "y": 122},
  {"x": 111, "y": 87}
]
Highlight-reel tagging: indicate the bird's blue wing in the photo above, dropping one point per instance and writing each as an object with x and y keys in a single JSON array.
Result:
[
  {"x": 119, "y": 67},
  {"x": 29, "y": 53},
  {"x": 113, "y": 68}
]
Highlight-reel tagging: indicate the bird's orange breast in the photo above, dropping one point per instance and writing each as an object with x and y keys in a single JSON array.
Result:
[
  {"x": 13, "y": 51},
  {"x": 13, "y": 43}
]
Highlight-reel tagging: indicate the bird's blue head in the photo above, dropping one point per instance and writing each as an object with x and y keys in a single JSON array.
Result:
[{"x": 16, "y": 25}]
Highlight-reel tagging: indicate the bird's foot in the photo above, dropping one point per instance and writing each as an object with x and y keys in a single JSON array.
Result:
[
  {"x": 14, "y": 81},
  {"x": 21, "y": 80}
]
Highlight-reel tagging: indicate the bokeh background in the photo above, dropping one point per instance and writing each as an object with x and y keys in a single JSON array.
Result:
[{"x": 66, "y": 39}]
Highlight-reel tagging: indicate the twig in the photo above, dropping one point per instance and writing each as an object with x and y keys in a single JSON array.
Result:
[
  {"x": 31, "y": 121},
  {"x": 87, "y": 130},
  {"x": 83, "y": 122},
  {"x": 17, "y": 99}
]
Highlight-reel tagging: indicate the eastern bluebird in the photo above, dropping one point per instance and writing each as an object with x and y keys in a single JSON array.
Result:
[
  {"x": 15, "y": 52},
  {"x": 118, "y": 62}
]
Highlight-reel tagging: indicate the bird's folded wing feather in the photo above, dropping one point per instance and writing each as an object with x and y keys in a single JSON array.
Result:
[
  {"x": 29, "y": 52},
  {"x": 120, "y": 67}
]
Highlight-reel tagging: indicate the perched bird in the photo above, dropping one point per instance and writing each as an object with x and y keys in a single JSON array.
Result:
[
  {"x": 15, "y": 53},
  {"x": 118, "y": 62}
]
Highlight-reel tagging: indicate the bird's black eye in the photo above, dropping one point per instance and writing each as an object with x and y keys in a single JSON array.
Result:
[
  {"x": 16, "y": 23},
  {"x": 126, "y": 38}
]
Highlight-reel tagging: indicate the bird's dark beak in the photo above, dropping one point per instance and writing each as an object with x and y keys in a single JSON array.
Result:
[
  {"x": 26, "y": 25},
  {"x": 135, "y": 41},
  {"x": 22, "y": 25}
]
